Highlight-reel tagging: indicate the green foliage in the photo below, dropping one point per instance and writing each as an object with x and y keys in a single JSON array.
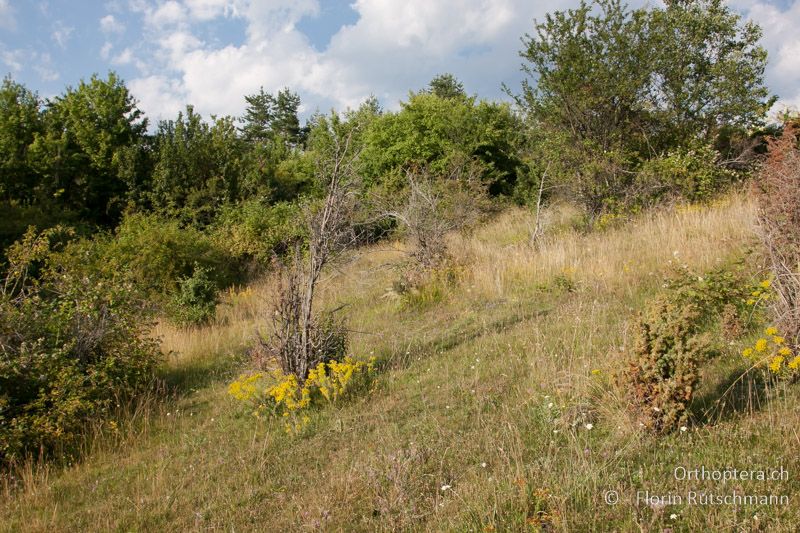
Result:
[
  {"x": 72, "y": 346},
  {"x": 255, "y": 232},
  {"x": 617, "y": 87},
  {"x": 20, "y": 123},
  {"x": 446, "y": 86},
  {"x": 195, "y": 303},
  {"x": 155, "y": 252},
  {"x": 79, "y": 152},
  {"x": 433, "y": 131},
  {"x": 198, "y": 167},
  {"x": 693, "y": 174},
  {"x": 273, "y": 119}
]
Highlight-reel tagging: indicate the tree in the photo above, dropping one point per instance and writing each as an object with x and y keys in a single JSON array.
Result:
[
  {"x": 616, "y": 87},
  {"x": 434, "y": 132},
  {"x": 446, "y": 86},
  {"x": 302, "y": 337},
  {"x": 258, "y": 116},
  {"x": 20, "y": 123},
  {"x": 286, "y": 124},
  {"x": 79, "y": 151},
  {"x": 198, "y": 166}
]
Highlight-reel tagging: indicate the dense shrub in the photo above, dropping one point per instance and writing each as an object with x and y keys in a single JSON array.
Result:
[
  {"x": 253, "y": 231},
  {"x": 72, "y": 347},
  {"x": 155, "y": 253},
  {"x": 692, "y": 174},
  {"x": 664, "y": 371},
  {"x": 673, "y": 340},
  {"x": 195, "y": 303},
  {"x": 778, "y": 193}
]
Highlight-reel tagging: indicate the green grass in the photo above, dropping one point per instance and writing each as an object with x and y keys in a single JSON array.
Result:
[{"x": 477, "y": 420}]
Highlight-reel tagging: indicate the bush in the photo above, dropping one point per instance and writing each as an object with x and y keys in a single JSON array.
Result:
[
  {"x": 692, "y": 174},
  {"x": 72, "y": 346},
  {"x": 155, "y": 253},
  {"x": 778, "y": 193},
  {"x": 673, "y": 340},
  {"x": 195, "y": 303},
  {"x": 253, "y": 232},
  {"x": 664, "y": 371}
]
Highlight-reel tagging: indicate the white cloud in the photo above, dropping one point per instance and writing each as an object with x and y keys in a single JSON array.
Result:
[
  {"x": 61, "y": 33},
  {"x": 159, "y": 96},
  {"x": 109, "y": 24},
  {"x": 12, "y": 59},
  {"x": 44, "y": 69},
  {"x": 211, "y": 9},
  {"x": 105, "y": 51},
  {"x": 167, "y": 14},
  {"x": 393, "y": 47},
  {"x": 123, "y": 58},
  {"x": 783, "y": 43},
  {"x": 7, "y": 19}
]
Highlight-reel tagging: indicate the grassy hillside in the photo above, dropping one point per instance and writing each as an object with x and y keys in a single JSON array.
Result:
[{"x": 496, "y": 407}]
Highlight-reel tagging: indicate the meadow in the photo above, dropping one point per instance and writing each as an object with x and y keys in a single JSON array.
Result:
[{"x": 497, "y": 403}]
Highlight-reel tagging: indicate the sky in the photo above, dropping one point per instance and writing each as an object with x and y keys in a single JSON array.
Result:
[{"x": 334, "y": 53}]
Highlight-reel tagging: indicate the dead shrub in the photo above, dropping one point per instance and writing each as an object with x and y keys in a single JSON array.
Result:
[{"x": 778, "y": 192}]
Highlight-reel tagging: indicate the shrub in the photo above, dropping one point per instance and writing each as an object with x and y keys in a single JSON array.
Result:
[
  {"x": 195, "y": 303},
  {"x": 693, "y": 174},
  {"x": 284, "y": 396},
  {"x": 778, "y": 193},
  {"x": 664, "y": 371},
  {"x": 418, "y": 289},
  {"x": 155, "y": 253},
  {"x": 673, "y": 340},
  {"x": 72, "y": 348},
  {"x": 253, "y": 232}
]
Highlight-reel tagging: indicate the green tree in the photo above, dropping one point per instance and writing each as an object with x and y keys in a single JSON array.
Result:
[
  {"x": 198, "y": 166},
  {"x": 286, "y": 123},
  {"x": 615, "y": 87},
  {"x": 79, "y": 152},
  {"x": 446, "y": 86},
  {"x": 434, "y": 132},
  {"x": 258, "y": 116},
  {"x": 20, "y": 123}
]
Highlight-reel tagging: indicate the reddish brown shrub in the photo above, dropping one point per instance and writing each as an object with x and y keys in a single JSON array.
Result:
[{"x": 778, "y": 193}]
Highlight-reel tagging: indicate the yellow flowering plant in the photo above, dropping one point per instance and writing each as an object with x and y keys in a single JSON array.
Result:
[
  {"x": 759, "y": 294},
  {"x": 285, "y": 396},
  {"x": 770, "y": 351}
]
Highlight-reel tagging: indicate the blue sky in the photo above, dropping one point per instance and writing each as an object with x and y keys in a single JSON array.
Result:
[{"x": 335, "y": 53}]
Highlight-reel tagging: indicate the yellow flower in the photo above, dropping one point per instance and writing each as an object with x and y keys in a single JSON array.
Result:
[
  {"x": 747, "y": 352},
  {"x": 794, "y": 364},
  {"x": 776, "y": 363},
  {"x": 751, "y": 302},
  {"x": 596, "y": 372},
  {"x": 761, "y": 345},
  {"x": 771, "y": 330},
  {"x": 786, "y": 352},
  {"x": 766, "y": 284},
  {"x": 778, "y": 340},
  {"x": 755, "y": 294}
]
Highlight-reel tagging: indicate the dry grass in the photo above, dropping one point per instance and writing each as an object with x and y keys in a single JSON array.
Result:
[
  {"x": 478, "y": 421},
  {"x": 504, "y": 261}
]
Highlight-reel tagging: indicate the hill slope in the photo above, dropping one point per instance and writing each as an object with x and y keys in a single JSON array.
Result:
[{"x": 496, "y": 408}]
